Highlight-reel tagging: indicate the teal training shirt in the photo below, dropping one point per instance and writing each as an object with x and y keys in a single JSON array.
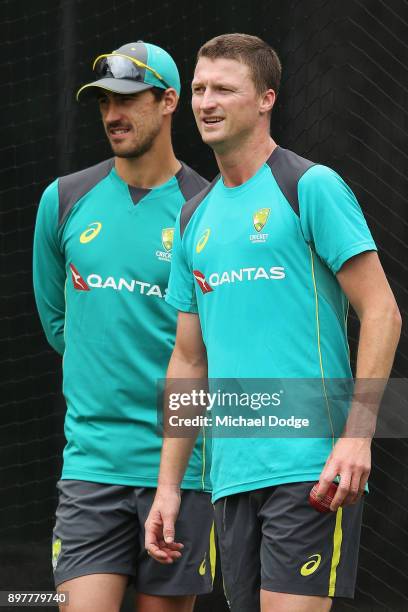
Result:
[
  {"x": 258, "y": 264},
  {"x": 102, "y": 253}
]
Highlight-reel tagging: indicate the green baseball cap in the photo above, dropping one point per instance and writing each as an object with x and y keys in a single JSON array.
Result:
[{"x": 132, "y": 68}]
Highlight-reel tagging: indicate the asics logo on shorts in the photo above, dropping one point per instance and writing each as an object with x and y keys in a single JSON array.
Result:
[
  {"x": 56, "y": 551},
  {"x": 203, "y": 566},
  {"x": 311, "y": 566}
]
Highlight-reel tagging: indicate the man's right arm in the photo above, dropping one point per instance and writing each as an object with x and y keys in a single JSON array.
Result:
[
  {"x": 188, "y": 362},
  {"x": 49, "y": 274}
]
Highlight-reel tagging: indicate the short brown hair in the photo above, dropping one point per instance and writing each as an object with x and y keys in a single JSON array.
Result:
[
  {"x": 262, "y": 61},
  {"x": 158, "y": 93}
]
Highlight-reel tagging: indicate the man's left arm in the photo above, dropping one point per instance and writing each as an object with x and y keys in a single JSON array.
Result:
[
  {"x": 333, "y": 224},
  {"x": 363, "y": 281}
]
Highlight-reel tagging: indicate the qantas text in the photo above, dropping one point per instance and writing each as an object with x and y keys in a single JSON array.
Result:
[
  {"x": 246, "y": 274},
  {"x": 131, "y": 285}
]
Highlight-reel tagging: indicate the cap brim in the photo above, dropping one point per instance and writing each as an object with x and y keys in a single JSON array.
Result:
[{"x": 120, "y": 86}]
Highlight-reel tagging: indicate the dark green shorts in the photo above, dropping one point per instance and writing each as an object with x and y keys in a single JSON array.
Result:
[
  {"x": 273, "y": 539},
  {"x": 100, "y": 529}
]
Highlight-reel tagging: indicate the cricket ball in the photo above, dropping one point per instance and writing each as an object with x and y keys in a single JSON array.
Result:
[{"x": 322, "y": 504}]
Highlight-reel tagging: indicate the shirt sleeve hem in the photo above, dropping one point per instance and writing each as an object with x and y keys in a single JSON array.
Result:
[
  {"x": 180, "y": 305},
  {"x": 356, "y": 249}
]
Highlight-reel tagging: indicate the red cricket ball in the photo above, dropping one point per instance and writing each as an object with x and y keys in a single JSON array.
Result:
[{"x": 322, "y": 504}]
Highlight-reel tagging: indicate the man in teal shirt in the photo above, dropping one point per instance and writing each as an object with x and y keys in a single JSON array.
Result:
[
  {"x": 102, "y": 253},
  {"x": 265, "y": 261}
]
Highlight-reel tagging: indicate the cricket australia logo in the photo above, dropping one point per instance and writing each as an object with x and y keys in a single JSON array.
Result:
[
  {"x": 260, "y": 219},
  {"x": 167, "y": 237}
]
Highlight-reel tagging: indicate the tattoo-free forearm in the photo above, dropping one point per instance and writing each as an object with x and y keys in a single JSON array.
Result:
[
  {"x": 379, "y": 336},
  {"x": 183, "y": 372}
]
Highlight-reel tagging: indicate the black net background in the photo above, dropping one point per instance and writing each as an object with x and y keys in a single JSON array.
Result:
[{"x": 343, "y": 102}]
